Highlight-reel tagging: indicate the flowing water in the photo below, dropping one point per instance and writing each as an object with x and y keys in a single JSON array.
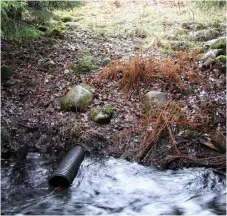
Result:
[{"x": 111, "y": 186}]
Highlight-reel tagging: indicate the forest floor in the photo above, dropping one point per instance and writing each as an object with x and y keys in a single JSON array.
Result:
[{"x": 31, "y": 115}]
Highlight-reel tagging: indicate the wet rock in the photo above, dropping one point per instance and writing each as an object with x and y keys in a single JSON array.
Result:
[
  {"x": 77, "y": 99},
  {"x": 214, "y": 42},
  {"x": 211, "y": 54},
  {"x": 6, "y": 72},
  {"x": 154, "y": 99},
  {"x": 204, "y": 35}
]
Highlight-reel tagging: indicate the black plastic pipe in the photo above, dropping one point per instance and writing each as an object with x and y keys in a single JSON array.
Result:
[{"x": 64, "y": 175}]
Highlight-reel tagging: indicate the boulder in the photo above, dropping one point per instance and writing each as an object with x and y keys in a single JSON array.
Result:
[
  {"x": 215, "y": 42},
  {"x": 6, "y": 72},
  {"x": 154, "y": 99},
  {"x": 204, "y": 35},
  {"x": 77, "y": 99}
]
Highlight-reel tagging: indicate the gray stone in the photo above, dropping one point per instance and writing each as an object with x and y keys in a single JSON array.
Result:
[
  {"x": 102, "y": 118},
  {"x": 77, "y": 99},
  {"x": 154, "y": 99}
]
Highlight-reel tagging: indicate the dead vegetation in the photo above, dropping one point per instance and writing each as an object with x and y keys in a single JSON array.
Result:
[
  {"x": 165, "y": 121},
  {"x": 138, "y": 71}
]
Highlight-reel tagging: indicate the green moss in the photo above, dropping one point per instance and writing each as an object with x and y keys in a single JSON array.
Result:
[
  {"x": 222, "y": 58},
  {"x": 169, "y": 52},
  {"x": 220, "y": 45},
  {"x": 56, "y": 28},
  {"x": 94, "y": 113},
  {"x": 88, "y": 87},
  {"x": 109, "y": 110},
  {"x": 84, "y": 65}
]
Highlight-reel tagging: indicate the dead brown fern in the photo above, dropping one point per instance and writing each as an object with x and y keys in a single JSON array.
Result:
[{"x": 130, "y": 74}]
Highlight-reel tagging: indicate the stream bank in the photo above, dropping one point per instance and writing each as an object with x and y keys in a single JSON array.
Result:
[{"x": 32, "y": 120}]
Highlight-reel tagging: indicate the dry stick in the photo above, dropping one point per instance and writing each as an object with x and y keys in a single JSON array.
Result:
[
  {"x": 173, "y": 141},
  {"x": 146, "y": 143},
  {"x": 153, "y": 137}
]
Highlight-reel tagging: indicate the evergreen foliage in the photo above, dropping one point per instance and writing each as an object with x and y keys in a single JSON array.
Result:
[{"x": 21, "y": 19}]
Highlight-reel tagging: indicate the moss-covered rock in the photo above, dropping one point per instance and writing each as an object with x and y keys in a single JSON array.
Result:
[
  {"x": 220, "y": 44},
  {"x": 88, "y": 87},
  {"x": 214, "y": 43},
  {"x": 102, "y": 116},
  {"x": 77, "y": 99},
  {"x": 109, "y": 110},
  {"x": 6, "y": 72},
  {"x": 222, "y": 58}
]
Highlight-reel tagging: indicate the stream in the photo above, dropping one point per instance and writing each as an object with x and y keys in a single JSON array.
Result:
[{"x": 111, "y": 186}]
